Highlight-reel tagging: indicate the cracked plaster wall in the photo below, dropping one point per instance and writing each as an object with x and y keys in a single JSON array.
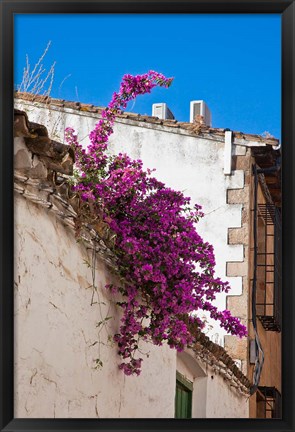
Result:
[{"x": 56, "y": 338}]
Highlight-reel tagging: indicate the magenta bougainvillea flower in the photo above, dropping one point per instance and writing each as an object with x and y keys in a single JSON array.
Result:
[{"x": 167, "y": 267}]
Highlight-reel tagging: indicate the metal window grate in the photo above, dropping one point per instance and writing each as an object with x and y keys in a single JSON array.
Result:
[
  {"x": 269, "y": 403},
  {"x": 268, "y": 294}
]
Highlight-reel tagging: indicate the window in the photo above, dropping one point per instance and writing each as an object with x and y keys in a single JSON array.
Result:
[
  {"x": 268, "y": 294},
  {"x": 268, "y": 403},
  {"x": 183, "y": 397}
]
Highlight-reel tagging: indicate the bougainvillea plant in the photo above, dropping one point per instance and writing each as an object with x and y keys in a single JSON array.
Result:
[{"x": 167, "y": 268}]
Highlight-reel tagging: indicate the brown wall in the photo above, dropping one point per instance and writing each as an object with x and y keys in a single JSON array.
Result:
[
  {"x": 270, "y": 340},
  {"x": 241, "y": 305}
]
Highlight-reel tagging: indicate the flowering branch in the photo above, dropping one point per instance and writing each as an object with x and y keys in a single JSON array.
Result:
[{"x": 167, "y": 267}]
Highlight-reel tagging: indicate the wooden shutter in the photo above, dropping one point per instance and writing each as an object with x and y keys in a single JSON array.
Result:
[{"x": 183, "y": 397}]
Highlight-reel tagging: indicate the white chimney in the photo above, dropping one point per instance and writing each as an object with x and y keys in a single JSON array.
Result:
[
  {"x": 200, "y": 108},
  {"x": 161, "y": 111}
]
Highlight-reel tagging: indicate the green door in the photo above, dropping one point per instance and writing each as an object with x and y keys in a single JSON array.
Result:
[{"x": 183, "y": 398}]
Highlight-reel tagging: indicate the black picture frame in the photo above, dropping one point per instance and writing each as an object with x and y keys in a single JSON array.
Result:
[{"x": 10, "y": 7}]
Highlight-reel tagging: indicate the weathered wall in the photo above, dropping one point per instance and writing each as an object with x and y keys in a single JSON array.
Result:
[
  {"x": 271, "y": 341},
  {"x": 184, "y": 162},
  {"x": 222, "y": 399},
  {"x": 213, "y": 397},
  {"x": 57, "y": 341},
  {"x": 238, "y": 348},
  {"x": 56, "y": 338},
  {"x": 56, "y": 334}
]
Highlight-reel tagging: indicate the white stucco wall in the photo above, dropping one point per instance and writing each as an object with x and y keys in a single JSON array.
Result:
[
  {"x": 224, "y": 402},
  {"x": 212, "y": 395},
  {"x": 55, "y": 333},
  {"x": 56, "y": 339},
  {"x": 184, "y": 162}
]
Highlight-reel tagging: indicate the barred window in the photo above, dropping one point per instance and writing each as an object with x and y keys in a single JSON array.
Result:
[
  {"x": 268, "y": 403},
  {"x": 268, "y": 294}
]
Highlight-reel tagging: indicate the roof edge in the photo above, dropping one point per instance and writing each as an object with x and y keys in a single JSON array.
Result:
[{"x": 194, "y": 128}]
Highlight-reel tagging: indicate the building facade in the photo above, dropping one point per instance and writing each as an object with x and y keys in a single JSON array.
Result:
[{"x": 219, "y": 169}]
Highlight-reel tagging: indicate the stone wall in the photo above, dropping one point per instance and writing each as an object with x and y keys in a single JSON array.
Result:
[{"x": 238, "y": 348}]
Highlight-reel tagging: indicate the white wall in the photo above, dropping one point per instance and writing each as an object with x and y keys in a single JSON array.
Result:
[
  {"x": 184, "y": 162},
  {"x": 212, "y": 397},
  {"x": 223, "y": 401},
  {"x": 55, "y": 333}
]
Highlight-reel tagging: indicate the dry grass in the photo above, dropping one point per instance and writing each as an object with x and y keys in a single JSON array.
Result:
[{"x": 39, "y": 80}]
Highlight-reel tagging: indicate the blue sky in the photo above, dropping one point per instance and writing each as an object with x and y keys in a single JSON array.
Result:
[{"x": 233, "y": 62}]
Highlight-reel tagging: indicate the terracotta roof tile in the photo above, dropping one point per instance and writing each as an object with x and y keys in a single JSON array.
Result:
[
  {"x": 72, "y": 105},
  {"x": 56, "y": 156},
  {"x": 88, "y": 108},
  {"x": 57, "y": 102},
  {"x": 191, "y": 127},
  {"x": 216, "y": 353}
]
